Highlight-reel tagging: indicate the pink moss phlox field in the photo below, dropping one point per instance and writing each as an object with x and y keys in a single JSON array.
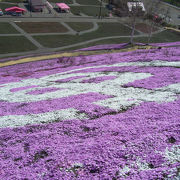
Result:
[
  {"x": 69, "y": 79},
  {"x": 98, "y": 79},
  {"x": 82, "y": 102},
  {"x": 140, "y": 140},
  {"x": 38, "y": 69},
  {"x": 167, "y": 44},
  {"x": 44, "y": 90},
  {"x": 95, "y": 149},
  {"x": 163, "y": 76},
  {"x": 22, "y": 88}
]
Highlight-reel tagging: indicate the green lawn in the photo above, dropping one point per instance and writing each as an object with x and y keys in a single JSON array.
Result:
[
  {"x": 62, "y": 1},
  {"x": 107, "y": 41},
  {"x": 89, "y": 10},
  {"x": 105, "y": 30},
  {"x": 166, "y": 36},
  {"x": 13, "y": 44},
  {"x": 6, "y": 28},
  {"x": 88, "y": 2},
  {"x": 80, "y": 26}
]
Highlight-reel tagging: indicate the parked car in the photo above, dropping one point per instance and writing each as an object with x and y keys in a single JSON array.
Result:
[
  {"x": 1, "y": 12},
  {"x": 13, "y": 14}
]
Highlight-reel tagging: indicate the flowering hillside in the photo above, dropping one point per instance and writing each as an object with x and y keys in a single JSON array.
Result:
[{"x": 97, "y": 117}]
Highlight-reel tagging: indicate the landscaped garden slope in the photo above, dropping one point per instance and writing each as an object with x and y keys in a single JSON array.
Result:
[{"x": 99, "y": 117}]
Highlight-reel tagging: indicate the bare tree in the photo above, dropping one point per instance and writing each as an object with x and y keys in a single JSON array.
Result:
[
  {"x": 100, "y": 9},
  {"x": 132, "y": 9},
  {"x": 153, "y": 7},
  {"x": 135, "y": 10},
  {"x": 166, "y": 16},
  {"x": 133, "y": 14}
]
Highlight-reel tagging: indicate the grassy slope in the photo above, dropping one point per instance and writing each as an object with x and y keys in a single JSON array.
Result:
[
  {"x": 166, "y": 36},
  {"x": 6, "y": 28},
  {"x": 105, "y": 30},
  {"x": 15, "y": 44},
  {"x": 89, "y": 10}
]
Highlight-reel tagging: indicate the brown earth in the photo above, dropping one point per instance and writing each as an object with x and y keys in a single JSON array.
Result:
[
  {"x": 42, "y": 27},
  {"x": 145, "y": 28}
]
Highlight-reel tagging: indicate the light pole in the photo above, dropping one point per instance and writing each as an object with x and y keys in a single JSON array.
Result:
[
  {"x": 100, "y": 8},
  {"x": 30, "y": 7}
]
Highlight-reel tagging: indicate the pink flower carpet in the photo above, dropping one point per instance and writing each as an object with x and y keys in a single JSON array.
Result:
[{"x": 97, "y": 117}]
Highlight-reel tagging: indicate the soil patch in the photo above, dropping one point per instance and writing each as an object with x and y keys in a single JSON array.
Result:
[
  {"x": 42, "y": 27},
  {"x": 145, "y": 28}
]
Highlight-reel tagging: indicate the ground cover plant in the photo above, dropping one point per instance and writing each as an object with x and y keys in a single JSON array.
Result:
[
  {"x": 165, "y": 36},
  {"x": 6, "y": 28},
  {"x": 145, "y": 28},
  {"x": 42, "y": 27},
  {"x": 127, "y": 45},
  {"x": 109, "y": 116}
]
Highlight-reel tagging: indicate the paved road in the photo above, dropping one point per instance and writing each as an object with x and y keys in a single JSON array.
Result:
[
  {"x": 165, "y": 8},
  {"x": 57, "y": 19}
]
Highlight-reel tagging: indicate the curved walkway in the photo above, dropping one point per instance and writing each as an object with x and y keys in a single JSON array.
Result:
[
  {"x": 42, "y": 49},
  {"x": 72, "y": 31},
  {"x": 94, "y": 40},
  {"x": 45, "y": 50},
  {"x": 94, "y": 28},
  {"x": 173, "y": 29},
  {"x": 28, "y": 36}
]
